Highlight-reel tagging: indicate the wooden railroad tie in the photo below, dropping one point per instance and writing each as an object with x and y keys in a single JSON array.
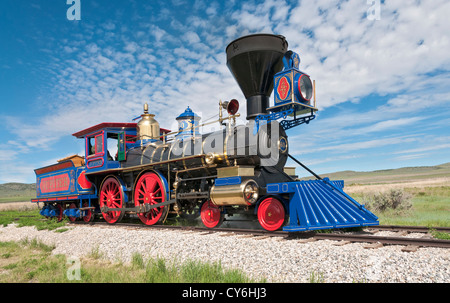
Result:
[
  {"x": 373, "y": 245},
  {"x": 410, "y": 248},
  {"x": 342, "y": 243}
]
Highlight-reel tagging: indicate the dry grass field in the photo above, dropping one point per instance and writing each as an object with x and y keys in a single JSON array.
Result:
[
  {"x": 389, "y": 176},
  {"x": 25, "y": 206},
  {"x": 357, "y": 188}
]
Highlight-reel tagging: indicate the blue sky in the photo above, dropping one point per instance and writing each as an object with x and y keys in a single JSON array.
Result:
[{"x": 383, "y": 86}]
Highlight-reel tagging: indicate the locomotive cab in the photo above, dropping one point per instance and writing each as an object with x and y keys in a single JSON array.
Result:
[{"x": 104, "y": 143}]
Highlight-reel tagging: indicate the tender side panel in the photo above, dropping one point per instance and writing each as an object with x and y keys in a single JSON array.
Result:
[{"x": 62, "y": 181}]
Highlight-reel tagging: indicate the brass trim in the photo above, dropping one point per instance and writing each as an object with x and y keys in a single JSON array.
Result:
[
  {"x": 190, "y": 169},
  {"x": 201, "y": 125},
  {"x": 139, "y": 167},
  {"x": 184, "y": 153},
  {"x": 162, "y": 153},
  {"x": 314, "y": 91},
  {"x": 225, "y": 146},
  {"x": 171, "y": 147},
  {"x": 232, "y": 171},
  {"x": 153, "y": 154},
  {"x": 279, "y": 147},
  {"x": 291, "y": 76},
  {"x": 231, "y": 194},
  {"x": 290, "y": 171}
]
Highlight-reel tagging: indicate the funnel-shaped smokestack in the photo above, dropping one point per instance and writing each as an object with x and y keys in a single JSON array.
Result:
[{"x": 254, "y": 60}]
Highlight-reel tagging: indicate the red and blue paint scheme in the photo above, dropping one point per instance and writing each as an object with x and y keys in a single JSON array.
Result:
[
  {"x": 144, "y": 170},
  {"x": 105, "y": 143},
  {"x": 62, "y": 184},
  {"x": 293, "y": 89},
  {"x": 62, "y": 181},
  {"x": 314, "y": 204},
  {"x": 65, "y": 188}
]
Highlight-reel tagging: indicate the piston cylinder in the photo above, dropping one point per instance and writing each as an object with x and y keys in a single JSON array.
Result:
[{"x": 245, "y": 193}]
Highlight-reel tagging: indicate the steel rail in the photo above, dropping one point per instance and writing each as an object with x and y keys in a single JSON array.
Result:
[
  {"x": 422, "y": 229},
  {"x": 386, "y": 240}
]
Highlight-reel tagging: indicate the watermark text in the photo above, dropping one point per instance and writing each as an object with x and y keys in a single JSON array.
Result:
[
  {"x": 373, "y": 13},
  {"x": 74, "y": 11}
]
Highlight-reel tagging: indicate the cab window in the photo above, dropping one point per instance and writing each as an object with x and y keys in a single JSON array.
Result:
[
  {"x": 112, "y": 145},
  {"x": 95, "y": 145}
]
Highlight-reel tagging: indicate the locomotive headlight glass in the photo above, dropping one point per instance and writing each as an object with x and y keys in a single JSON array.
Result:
[
  {"x": 251, "y": 192},
  {"x": 305, "y": 87}
]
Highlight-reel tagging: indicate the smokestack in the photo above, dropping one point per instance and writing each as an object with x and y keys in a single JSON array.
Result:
[{"x": 254, "y": 60}]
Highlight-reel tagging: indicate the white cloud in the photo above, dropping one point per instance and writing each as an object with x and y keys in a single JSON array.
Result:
[
  {"x": 359, "y": 56},
  {"x": 332, "y": 159},
  {"x": 410, "y": 157},
  {"x": 7, "y": 154},
  {"x": 157, "y": 32},
  {"x": 431, "y": 147},
  {"x": 363, "y": 56},
  {"x": 191, "y": 37},
  {"x": 131, "y": 47},
  {"x": 387, "y": 125},
  {"x": 356, "y": 146},
  {"x": 109, "y": 26}
]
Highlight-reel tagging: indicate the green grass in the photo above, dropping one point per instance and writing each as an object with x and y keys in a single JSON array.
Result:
[
  {"x": 430, "y": 207},
  {"x": 29, "y": 218},
  {"x": 32, "y": 261},
  {"x": 316, "y": 277},
  {"x": 440, "y": 235}
]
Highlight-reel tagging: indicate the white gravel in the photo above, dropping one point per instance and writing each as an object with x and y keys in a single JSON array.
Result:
[{"x": 277, "y": 261}]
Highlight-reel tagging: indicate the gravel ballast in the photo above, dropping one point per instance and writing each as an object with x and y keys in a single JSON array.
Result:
[{"x": 275, "y": 260}]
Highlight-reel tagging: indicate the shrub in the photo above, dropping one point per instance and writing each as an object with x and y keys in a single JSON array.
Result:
[{"x": 394, "y": 199}]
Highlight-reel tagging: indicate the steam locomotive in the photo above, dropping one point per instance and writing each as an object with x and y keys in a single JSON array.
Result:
[{"x": 143, "y": 169}]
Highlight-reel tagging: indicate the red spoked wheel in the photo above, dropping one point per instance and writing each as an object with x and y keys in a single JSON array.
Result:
[
  {"x": 72, "y": 205},
  {"x": 271, "y": 214},
  {"x": 150, "y": 190},
  {"x": 111, "y": 196},
  {"x": 211, "y": 215},
  {"x": 88, "y": 214}
]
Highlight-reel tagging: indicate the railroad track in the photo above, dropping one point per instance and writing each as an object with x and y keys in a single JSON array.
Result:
[
  {"x": 344, "y": 238},
  {"x": 419, "y": 229}
]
